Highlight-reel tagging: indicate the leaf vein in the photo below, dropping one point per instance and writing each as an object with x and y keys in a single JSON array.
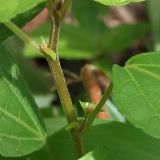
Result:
[
  {"x": 23, "y": 124},
  {"x": 141, "y": 91}
]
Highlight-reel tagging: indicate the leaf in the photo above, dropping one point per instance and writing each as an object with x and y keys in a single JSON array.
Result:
[
  {"x": 21, "y": 129},
  {"x": 90, "y": 37},
  {"x": 105, "y": 140},
  {"x": 119, "y": 38},
  {"x": 20, "y": 20},
  {"x": 80, "y": 43},
  {"x": 11, "y": 8},
  {"x": 136, "y": 91},
  {"x": 89, "y": 18},
  {"x": 117, "y": 2},
  {"x": 88, "y": 156},
  {"x": 34, "y": 76}
]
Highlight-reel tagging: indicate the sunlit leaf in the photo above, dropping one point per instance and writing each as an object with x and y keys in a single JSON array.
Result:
[
  {"x": 20, "y": 20},
  {"x": 136, "y": 91},
  {"x": 11, "y": 8},
  {"x": 117, "y": 2}
]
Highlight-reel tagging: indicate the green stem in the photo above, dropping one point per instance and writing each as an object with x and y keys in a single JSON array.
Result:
[
  {"x": 64, "y": 9},
  {"x": 153, "y": 7},
  {"x": 15, "y": 29},
  {"x": 61, "y": 87},
  {"x": 54, "y": 36},
  {"x": 92, "y": 116},
  {"x": 58, "y": 76},
  {"x": 62, "y": 90},
  {"x": 66, "y": 104}
]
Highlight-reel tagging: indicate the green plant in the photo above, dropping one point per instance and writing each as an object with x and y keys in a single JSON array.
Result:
[{"x": 26, "y": 134}]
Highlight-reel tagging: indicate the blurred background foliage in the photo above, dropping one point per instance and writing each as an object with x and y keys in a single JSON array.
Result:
[{"x": 91, "y": 34}]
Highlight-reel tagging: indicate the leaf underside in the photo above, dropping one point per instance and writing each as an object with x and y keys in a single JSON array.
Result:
[{"x": 136, "y": 91}]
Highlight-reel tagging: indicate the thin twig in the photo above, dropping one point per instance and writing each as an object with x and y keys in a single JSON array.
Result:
[
  {"x": 22, "y": 35},
  {"x": 64, "y": 9},
  {"x": 92, "y": 116}
]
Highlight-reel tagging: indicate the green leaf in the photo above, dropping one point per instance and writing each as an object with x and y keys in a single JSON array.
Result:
[
  {"x": 21, "y": 131},
  {"x": 105, "y": 140},
  {"x": 89, "y": 43},
  {"x": 96, "y": 154},
  {"x": 136, "y": 91},
  {"x": 119, "y": 38},
  {"x": 88, "y": 156},
  {"x": 11, "y": 8},
  {"x": 117, "y": 2},
  {"x": 90, "y": 37},
  {"x": 34, "y": 76},
  {"x": 89, "y": 18},
  {"x": 20, "y": 20}
]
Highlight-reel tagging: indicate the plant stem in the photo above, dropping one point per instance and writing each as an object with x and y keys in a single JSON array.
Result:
[
  {"x": 62, "y": 90},
  {"x": 15, "y": 29},
  {"x": 92, "y": 116},
  {"x": 64, "y": 9},
  {"x": 153, "y": 8},
  {"x": 65, "y": 99},
  {"x": 61, "y": 87},
  {"x": 54, "y": 35},
  {"x": 66, "y": 104}
]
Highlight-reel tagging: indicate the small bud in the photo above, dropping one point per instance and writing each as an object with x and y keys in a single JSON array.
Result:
[{"x": 47, "y": 52}]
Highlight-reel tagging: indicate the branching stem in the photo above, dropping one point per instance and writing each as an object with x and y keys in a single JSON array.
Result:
[
  {"x": 92, "y": 116},
  {"x": 60, "y": 82}
]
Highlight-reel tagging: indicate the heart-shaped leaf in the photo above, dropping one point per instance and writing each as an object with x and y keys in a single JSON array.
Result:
[
  {"x": 136, "y": 91},
  {"x": 117, "y": 2},
  {"x": 21, "y": 129}
]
